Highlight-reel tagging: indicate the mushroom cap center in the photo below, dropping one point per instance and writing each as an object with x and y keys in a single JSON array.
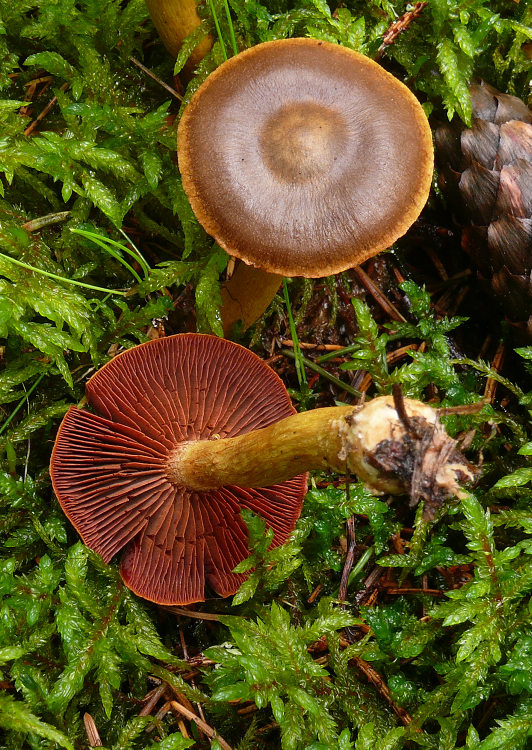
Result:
[{"x": 301, "y": 141}]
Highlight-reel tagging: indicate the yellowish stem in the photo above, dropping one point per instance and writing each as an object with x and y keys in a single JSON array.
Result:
[
  {"x": 305, "y": 441},
  {"x": 175, "y": 20},
  {"x": 391, "y": 452},
  {"x": 247, "y": 295}
]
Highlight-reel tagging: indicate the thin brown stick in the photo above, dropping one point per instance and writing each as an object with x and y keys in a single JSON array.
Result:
[
  {"x": 183, "y": 644},
  {"x": 182, "y": 698},
  {"x": 450, "y": 301},
  {"x": 378, "y": 295},
  {"x": 31, "y": 88},
  {"x": 192, "y": 613},
  {"x": 382, "y": 688},
  {"x": 268, "y": 727},
  {"x": 149, "y": 73},
  {"x": 462, "y": 408},
  {"x": 400, "y": 352},
  {"x": 424, "y": 585},
  {"x": 209, "y": 731},
  {"x": 41, "y": 79},
  {"x": 349, "y": 559},
  {"x": 413, "y": 590},
  {"x": 369, "y": 591},
  {"x": 316, "y": 347},
  {"x": 317, "y": 591},
  {"x": 152, "y": 699},
  {"x": 397, "y": 27},
  {"x": 247, "y": 710},
  {"x": 53, "y": 101},
  {"x": 161, "y": 713},
  {"x": 491, "y": 383}
]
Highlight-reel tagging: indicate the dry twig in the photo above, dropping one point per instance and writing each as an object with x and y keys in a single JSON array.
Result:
[
  {"x": 209, "y": 731},
  {"x": 53, "y": 101},
  {"x": 491, "y": 383},
  {"x": 149, "y": 73},
  {"x": 382, "y": 688},
  {"x": 378, "y": 295},
  {"x": 397, "y": 27}
]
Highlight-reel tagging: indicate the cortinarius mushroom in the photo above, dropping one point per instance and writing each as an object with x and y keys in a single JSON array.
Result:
[
  {"x": 111, "y": 473},
  {"x": 189, "y": 430},
  {"x": 303, "y": 158}
]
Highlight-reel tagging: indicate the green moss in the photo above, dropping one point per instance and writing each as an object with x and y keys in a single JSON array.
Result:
[{"x": 73, "y": 639}]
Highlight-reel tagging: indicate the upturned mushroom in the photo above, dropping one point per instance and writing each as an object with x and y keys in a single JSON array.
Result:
[
  {"x": 301, "y": 158},
  {"x": 190, "y": 429}
]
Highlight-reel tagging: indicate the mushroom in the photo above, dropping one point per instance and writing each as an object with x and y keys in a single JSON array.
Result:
[
  {"x": 302, "y": 158},
  {"x": 189, "y": 430},
  {"x": 110, "y": 470}
]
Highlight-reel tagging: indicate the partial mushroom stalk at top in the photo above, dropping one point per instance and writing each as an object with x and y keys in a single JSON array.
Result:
[
  {"x": 246, "y": 296},
  {"x": 174, "y": 21},
  {"x": 391, "y": 452}
]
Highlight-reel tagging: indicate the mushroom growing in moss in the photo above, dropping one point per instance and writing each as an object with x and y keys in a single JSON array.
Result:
[
  {"x": 189, "y": 430},
  {"x": 302, "y": 158}
]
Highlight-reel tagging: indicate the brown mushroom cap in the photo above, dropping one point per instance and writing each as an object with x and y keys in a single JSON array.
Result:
[
  {"x": 109, "y": 469},
  {"x": 304, "y": 158}
]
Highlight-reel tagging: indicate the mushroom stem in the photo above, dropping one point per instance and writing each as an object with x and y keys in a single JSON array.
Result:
[
  {"x": 246, "y": 296},
  {"x": 174, "y": 21},
  {"x": 389, "y": 451},
  {"x": 304, "y": 441}
]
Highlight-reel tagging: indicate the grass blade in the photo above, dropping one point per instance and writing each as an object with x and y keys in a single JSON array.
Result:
[{"x": 61, "y": 278}]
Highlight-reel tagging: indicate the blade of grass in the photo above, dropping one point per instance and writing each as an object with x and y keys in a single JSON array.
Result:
[
  {"x": 338, "y": 353},
  {"x": 143, "y": 263},
  {"x": 61, "y": 278},
  {"x": 218, "y": 30},
  {"x": 348, "y": 350},
  {"x": 327, "y": 375},
  {"x": 108, "y": 245},
  {"x": 361, "y": 564},
  {"x": 231, "y": 28},
  {"x": 299, "y": 360},
  {"x": 116, "y": 255},
  {"x": 21, "y": 403}
]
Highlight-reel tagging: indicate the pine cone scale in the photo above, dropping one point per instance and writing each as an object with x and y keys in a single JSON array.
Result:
[
  {"x": 515, "y": 143},
  {"x": 481, "y": 143},
  {"x": 515, "y": 190},
  {"x": 479, "y": 187},
  {"x": 509, "y": 240}
]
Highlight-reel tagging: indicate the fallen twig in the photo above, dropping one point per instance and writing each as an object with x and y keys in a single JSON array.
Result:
[
  {"x": 209, "y": 731},
  {"x": 397, "y": 27},
  {"x": 53, "y": 101},
  {"x": 149, "y": 73}
]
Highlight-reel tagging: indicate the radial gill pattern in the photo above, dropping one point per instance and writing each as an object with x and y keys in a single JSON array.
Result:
[{"x": 109, "y": 468}]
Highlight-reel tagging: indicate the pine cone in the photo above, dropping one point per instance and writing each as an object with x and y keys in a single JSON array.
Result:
[{"x": 486, "y": 171}]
